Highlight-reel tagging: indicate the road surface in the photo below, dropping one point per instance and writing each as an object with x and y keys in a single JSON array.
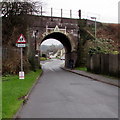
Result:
[{"x": 61, "y": 94}]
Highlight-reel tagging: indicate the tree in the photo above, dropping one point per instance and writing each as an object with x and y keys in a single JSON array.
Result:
[
  {"x": 19, "y": 8},
  {"x": 14, "y": 19}
]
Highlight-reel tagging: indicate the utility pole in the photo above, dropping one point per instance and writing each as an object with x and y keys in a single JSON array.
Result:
[
  {"x": 78, "y": 63},
  {"x": 95, "y": 26},
  {"x": 95, "y": 29}
]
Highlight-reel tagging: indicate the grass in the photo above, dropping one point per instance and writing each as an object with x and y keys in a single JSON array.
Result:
[
  {"x": 81, "y": 68},
  {"x": 12, "y": 89},
  {"x": 43, "y": 58},
  {"x": 0, "y": 98},
  {"x": 85, "y": 69},
  {"x": 111, "y": 77}
]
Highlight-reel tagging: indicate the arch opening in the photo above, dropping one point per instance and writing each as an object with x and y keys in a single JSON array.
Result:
[
  {"x": 64, "y": 40},
  {"x": 52, "y": 48}
]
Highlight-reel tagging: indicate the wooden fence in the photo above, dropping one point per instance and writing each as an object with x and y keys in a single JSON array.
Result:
[{"x": 107, "y": 64}]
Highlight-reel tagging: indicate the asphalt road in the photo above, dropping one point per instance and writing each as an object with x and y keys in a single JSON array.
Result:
[{"x": 61, "y": 94}]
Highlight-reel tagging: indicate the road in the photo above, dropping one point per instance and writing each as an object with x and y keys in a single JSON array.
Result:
[{"x": 61, "y": 94}]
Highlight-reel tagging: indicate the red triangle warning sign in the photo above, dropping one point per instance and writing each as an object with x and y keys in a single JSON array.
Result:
[{"x": 21, "y": 39}]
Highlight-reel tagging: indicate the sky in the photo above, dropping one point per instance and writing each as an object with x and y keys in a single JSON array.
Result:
[
  {"x": 104, "y": 10},
  {"x": 50, "y": 42}
]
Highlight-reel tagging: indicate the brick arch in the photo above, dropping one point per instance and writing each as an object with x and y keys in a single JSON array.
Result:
[
  {"x": 66, "y": 41},
  {"x": 60, "y": 37}
]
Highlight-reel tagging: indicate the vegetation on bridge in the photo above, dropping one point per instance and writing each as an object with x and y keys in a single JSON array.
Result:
[{"x": 107, "y": 40}]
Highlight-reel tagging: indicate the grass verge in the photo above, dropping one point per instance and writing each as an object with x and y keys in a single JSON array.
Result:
[
  {"x": 81, "y": 68},
  {"x": 12, "y": 89},
  {"x": 0, "y": 97},
  {"x": 43, "y": 58},
  {"x": 85, "y": 69}
]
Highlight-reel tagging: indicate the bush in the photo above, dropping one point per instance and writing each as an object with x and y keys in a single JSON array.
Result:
[
  {"x": 100, "y": 45},
  {"x": 43, "y": 58},
  {"x": 11, "y": 62}
]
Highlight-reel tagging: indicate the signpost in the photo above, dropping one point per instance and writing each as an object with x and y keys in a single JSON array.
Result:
[{"x": 21, "y": 42}]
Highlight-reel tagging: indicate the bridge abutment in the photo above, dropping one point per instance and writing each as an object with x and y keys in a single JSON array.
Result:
[{"x": 70, "y": 56}]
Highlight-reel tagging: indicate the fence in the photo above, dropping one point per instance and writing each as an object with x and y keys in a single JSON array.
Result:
[
  {"x": 66, "y": 13},
  {"x": 107, "y": 64}
]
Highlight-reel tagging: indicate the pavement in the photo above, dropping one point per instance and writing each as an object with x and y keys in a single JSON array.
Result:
[
  {"x": 62, "y": 94},
  {"x": 97, "y": 77}
]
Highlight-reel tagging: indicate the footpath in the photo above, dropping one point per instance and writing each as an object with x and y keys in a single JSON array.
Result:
[{"x": 100, "y": 78}]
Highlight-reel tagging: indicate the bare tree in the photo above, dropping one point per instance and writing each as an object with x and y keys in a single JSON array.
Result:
[{"x": 17, "y": 8}]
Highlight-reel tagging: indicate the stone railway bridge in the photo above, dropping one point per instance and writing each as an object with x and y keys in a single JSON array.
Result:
[{"x": 64, "y": 30}]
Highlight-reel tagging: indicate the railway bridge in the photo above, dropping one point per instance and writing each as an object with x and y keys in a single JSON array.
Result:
[{"x": 65, "y": 30}]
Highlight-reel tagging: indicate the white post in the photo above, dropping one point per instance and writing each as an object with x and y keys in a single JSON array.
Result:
[{"x": 21, "y": 59}]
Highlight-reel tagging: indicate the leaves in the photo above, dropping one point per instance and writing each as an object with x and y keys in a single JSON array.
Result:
[{"x": 102, "y": 46}]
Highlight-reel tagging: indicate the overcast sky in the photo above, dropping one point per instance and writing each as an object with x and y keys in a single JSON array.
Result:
[{"x": 105, "y": 10}]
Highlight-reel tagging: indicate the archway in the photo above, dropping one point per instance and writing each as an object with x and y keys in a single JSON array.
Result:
[{"x": 65, "y": 42}]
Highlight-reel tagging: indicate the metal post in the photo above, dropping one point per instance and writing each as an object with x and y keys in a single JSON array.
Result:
[
  {"x": 21, "y": 59},
  {"x": 70, "y": 13},
  {"x": 79, "y": 14},
  {"x": 61, "y": 15},
  {"x": 51, "y": 14},
  {"x": 95, "y": 28},
  {"x": 41, "y": 10}
]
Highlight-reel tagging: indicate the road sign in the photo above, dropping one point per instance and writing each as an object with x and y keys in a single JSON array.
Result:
[
  {"x": 21, "y": 42},
  {"x": 21, "y": 39},
  {"x": 21, "y": 75},
  {"x": 21, "y": 45}
]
